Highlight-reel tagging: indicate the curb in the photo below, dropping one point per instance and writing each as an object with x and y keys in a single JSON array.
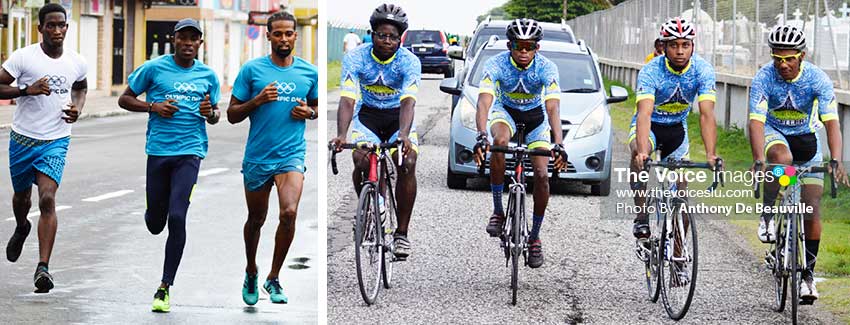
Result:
[{"x": 85, "y": 116}]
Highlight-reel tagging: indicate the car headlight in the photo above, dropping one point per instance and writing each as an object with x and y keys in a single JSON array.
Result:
[
  {"x": 592, "y": 124},
  {"x": 467, "y": 114}
]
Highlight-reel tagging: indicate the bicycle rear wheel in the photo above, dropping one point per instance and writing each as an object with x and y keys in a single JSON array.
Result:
[
  {"x": 780, "y": 277},
  {"x": 794, "y": 264},
  {"x": 367, "y": 244},
  {"x": 679, "y": 269},
  {"x": 516, "y": 242},
  {"x": 651, "y": 262}
]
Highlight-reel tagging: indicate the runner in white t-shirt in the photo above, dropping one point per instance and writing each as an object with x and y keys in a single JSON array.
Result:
[
  {"x": 350, "y": 41},
  {"x": 51, "y": 91}
]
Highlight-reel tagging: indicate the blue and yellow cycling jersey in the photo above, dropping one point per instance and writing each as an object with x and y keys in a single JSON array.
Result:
[
  {"x": 379, "y": 84},
  {"x": 789, "y": 106},
  {"x": 674, "y": 92},
  {"x": 521, "y": 89}
]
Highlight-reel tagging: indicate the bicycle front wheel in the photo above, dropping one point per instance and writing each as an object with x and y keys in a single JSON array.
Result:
[
  {"x": 651, "y": 262},
  {"x": 516, "y": 242},
  {"x": 368, "y": 251},
  {"x": 794, "y": 265},
  {"x": 679, "y": 267},
  {"x": 390, "y": 218},
  {"x": 780, "y": 277}
]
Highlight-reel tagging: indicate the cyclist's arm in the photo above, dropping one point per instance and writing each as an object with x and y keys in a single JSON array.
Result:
[
  {"x": 349, "y": 86},
  {"x": 708, "y": 128},
  {"x": 644, "y": 117},
  {"x": 128, "y": 101},
  {"x": 405, "y": 119},
  {"x": 485, "y": 100},
  {"x": 828, "y": 112},
  {"x": 78, "y": 94},
  {"x": 833, "y": 135},
  {"x": 7, "y": 91},
  {"x": 344, "y": 113},
  {"x": 553, "y": 108},
  {"x": 757, "y": 117}
]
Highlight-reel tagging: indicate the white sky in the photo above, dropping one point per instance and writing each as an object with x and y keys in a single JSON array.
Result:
[{"x": 453, "y": 16}]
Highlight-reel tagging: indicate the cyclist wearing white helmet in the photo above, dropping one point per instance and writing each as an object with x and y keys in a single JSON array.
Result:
[
  {"x": 521, "y": 82},
  {"x": 790, "y": 100},
  {"x": 667, "y": 87}
]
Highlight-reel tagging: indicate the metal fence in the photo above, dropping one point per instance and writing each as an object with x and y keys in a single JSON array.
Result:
[
  {"x": 336, "y": 33},
  {"x": 733, "y": 43}
]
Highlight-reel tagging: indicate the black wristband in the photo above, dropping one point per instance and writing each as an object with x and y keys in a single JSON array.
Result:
[{"x": 150, "y": 107}]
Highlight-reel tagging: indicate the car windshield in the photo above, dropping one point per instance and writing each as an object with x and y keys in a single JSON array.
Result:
[
  {"x": 422, "y": 36},
  {"x": 577, "y": 71},
  {"x": 549, "y": 35}
]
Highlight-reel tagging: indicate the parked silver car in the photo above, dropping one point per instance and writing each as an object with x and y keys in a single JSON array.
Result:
[{"x": 584, "y": 115}]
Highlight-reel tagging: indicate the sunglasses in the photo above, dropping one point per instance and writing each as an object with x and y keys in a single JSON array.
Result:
[
  {"x": 386, "y": 37},
  {"x": 527, "y": 46},
  {"x": 782, "y": 59}
]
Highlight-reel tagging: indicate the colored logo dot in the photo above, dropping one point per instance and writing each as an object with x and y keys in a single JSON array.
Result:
[
  {"x": 777, "y": 171},
  {"x": 784, "y": 180},
  {"x": 793, "y": 180},
  {"x": 790, "y": 171}
]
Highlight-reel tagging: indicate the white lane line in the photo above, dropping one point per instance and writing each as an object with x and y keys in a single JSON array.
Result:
[
  {"x": 37, "y": 213},
  {"x": 212, "y": 171},
  {"x": 108, "y": 196}
]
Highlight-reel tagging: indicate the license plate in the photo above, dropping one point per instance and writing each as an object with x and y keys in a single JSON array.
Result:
[{"x": 422, "y": 49}]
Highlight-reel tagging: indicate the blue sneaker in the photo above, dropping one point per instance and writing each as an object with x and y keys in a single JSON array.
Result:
[
  {"x": 275, "y": 292},
  {"x": 250, "y": 294}
]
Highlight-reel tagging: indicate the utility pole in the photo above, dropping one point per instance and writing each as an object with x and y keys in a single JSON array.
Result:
[{"x": 565, "y": 9}]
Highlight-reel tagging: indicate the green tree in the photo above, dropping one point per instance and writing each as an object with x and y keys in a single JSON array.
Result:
[
  {"x": 552, "y": 10},
  {"x": 495, "y": 13}
]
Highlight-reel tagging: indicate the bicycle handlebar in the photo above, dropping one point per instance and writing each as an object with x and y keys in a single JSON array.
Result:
[
  {"x": 372, "y": 147},
  {"x": 524, "y": 151},
  {"x": 677, "y": 164},
  {"x": 813, "y": 169}
]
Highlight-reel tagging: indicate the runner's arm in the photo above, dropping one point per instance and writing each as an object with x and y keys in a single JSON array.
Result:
[
  {"x": 128, "y": 101},
  {"x": 78, "y": 94},
  {"x": 238, "y": 110},
  {"x": 7, "y": 91}
]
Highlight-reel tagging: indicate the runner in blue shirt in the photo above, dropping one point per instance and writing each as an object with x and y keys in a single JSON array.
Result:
[
  {"x": 182, "y": 93},
  {"x": 790, "y": 100},
  {"x": 381, "y": 79},
  {"x": 521, "y": 82},
  {"x": 667, "y": 88},
  {"x": 277, "y": 93}
]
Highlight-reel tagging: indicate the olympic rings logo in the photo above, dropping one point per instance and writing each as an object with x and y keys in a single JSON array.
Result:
[
  {"x": 285, "y": 87},
  {"x": 55, "y": 81},
  {"x": 184, "y": 87}
]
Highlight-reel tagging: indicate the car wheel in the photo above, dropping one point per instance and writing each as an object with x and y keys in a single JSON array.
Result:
[
  {"x": 454, "y": 181},
  {"x": 601, "y": 189}
]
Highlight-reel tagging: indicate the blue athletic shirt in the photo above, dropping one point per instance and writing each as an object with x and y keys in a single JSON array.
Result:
[
  {"x": 521, "y": 89},
  {"x": 185, "y": 133},
  {"x": 674, "y": 92},
  {"x": 789, "y": 106},
  {"x": 275, "y": 137},
  {"x": 379, "y": 84}
]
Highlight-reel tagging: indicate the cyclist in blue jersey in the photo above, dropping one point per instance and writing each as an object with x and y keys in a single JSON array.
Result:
[
  {"x": 277, "y": 93},
  {"x": 526, "y": 90},
  {"x": 182, "y": 94},
  {"x": 667, "y": 87},
  {"x": 790, "y": 100},
  {"x": 382, "y": 79}
]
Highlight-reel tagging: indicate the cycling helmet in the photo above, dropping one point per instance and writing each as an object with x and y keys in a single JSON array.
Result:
[
  {"x": 787, "y": 37},
  {"x": 524, "y": 29},
  {"x": 389, "y": 14},
  {"x": 676, "y": 28}
]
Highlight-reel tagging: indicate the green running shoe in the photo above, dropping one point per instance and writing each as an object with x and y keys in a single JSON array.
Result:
[
  {"x": 275, "y": 292},
  {"x": 250, "y": 294},
  {"x": 161, "y": 303}
]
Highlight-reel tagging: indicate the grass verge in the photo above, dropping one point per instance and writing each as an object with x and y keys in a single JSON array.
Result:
[{"x": 334, "y": 70}]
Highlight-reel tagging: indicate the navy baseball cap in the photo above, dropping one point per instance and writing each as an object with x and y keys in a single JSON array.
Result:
[{"x": 188, "y": 23}]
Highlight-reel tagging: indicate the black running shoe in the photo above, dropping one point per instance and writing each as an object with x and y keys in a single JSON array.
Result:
[
  {"x": 43, "y": 280},
  {"x": 535, "y": 254},
  {"x": 494, "y": 227},
  {"x": 16, "y": 243}
]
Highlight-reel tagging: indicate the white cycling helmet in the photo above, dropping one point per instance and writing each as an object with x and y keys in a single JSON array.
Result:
[
  {"x": 676, "y": 28},
  {"x": 786, "y": 37},
  {"x": 524, "y": 29}
]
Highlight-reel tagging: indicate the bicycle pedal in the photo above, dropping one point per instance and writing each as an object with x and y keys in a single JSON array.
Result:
[
  {"x": 398, "y": 259},
  {"x": 807, "y": 301}
]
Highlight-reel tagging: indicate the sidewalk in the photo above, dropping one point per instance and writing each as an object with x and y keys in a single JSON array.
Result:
[{"x": 98, "y": 104}]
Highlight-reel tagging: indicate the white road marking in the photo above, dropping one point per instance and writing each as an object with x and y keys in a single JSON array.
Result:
[
  {"x": 35, "y": 212},
  {"x": 212, "y": 171},
  {"x": 108, "y": 196}
]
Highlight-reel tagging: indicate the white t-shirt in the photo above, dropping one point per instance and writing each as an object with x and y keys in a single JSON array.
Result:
[
  {"x": 351, "y": 41},
  {"x": 40, "y": 117}
]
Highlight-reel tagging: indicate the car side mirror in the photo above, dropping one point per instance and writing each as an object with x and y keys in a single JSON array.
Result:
[
  {"x": 450, "y": 86},
  {"x": 618, "y": 94},
  {"x": 456, "y": 52}
]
